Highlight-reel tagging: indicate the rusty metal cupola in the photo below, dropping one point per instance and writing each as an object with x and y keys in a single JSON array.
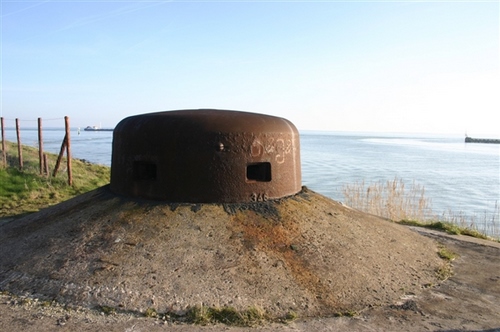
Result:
[{"x": 206, "y": 156}]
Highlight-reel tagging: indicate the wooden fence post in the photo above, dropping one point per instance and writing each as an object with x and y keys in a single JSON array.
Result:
[
  {"x": 46, "y": 164},
  {"x": 4, "y": 153},
  {"x": 61, "y": 153},
  {"x": 68, "y": 150},
  {"x": 40, "y": 145},
  {"x": 19, "y": 148}
]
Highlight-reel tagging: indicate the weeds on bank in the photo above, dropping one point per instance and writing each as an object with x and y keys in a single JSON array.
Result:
[
  {"x": 446, "y": 254},
  {"x": 151, "y": 313},
  {"x": 107, "y": 310},
  {"x": 203, "y": 315},
  {"x": 447, "y": 227},
  {"x": 206, "y": 315},
  {"x": 444, "y": 271},
  {"x": 408, "y": 205},
  {"x": 25, "y": 190},
  {"x": 348, "y": 313},
  {"x": 199, "y": 315},
  {"x": 479, "y": 224}
]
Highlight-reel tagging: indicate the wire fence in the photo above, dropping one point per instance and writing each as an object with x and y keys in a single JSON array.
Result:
[{"x": 65, "y": 146}]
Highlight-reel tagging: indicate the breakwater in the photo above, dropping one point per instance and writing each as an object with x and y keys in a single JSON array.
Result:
[{"x": 482, "y": 140}]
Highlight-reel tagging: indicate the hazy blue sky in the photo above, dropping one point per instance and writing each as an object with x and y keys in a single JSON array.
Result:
[{"x": 388, "y": 66}]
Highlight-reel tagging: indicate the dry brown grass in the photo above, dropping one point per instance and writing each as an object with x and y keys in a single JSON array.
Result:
[
  {"x": 392, "y": 199},
  {"x": 398, "y": 202}
]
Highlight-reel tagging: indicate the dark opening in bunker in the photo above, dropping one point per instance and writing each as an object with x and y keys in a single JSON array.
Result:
[
  {"x": 144, "y": 170},
  {"x": 259, "y": 172}
]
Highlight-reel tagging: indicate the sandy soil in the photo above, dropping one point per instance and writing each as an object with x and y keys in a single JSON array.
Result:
[{"x": 321, "y": 260}]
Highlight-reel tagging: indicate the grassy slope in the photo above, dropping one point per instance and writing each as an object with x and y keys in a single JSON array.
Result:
[{"x": 24, "y": 191}]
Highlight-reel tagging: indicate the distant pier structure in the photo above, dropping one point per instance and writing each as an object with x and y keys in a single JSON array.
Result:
[{"x": 482, "y": 140}]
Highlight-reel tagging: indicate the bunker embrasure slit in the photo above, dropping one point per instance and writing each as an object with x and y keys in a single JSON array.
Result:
[
  {"x": 144, "y": 170},
  {"x": 260, "y": 172}
]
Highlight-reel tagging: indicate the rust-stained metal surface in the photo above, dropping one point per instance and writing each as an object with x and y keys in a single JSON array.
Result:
[{"x": 206, "y": 156}]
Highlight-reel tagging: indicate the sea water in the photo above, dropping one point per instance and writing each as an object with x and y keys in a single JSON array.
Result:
[{"x": 460, "y": 177}]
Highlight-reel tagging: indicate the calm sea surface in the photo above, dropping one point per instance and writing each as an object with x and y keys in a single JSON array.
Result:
[{"x": 458, "y": 177}]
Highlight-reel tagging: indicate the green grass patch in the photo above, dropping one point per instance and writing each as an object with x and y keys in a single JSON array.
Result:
[
  {"x": 107, "y": 310},
  {"x": 447, "y": 227},
  {"x": 446, "y": 254},
  {"x": 347, "y": 313},
  {"x": 203, "y": 315},
  {"x": 444, "y": 271},
  {"x": 25, "y": 190},
  {"x": 151, "y": 313},
  {"x": 198, "y": 315}
]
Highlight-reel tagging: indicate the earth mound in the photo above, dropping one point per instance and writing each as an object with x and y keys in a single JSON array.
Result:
[{"x": 305, "y": 254}]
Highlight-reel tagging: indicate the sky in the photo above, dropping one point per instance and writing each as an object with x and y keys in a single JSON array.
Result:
[{"x": 360, "y": 66}]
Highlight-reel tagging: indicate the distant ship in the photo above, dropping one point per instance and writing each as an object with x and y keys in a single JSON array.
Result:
[{"x": 95, "y": 128}]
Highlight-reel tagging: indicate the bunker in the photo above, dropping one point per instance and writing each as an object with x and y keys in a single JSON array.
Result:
[
  {"x": 205, "y": 207},
  {"x": 206, "y": 156}
]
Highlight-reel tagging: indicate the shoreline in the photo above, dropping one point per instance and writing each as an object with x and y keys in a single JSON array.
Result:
[{"x": 486, "y": 221}]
